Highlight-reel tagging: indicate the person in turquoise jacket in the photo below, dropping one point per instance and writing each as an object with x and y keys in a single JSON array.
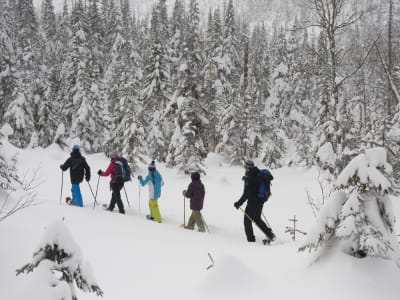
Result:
[{"x": 155, "y": 182}]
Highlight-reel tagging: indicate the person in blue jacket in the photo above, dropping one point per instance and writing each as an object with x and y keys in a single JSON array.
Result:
[{"x": 154, "y": 181}]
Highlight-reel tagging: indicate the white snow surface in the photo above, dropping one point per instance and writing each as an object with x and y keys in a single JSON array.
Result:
[{"x": 133, "y": 258}]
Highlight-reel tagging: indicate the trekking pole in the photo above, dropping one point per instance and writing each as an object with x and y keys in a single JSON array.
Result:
[
  {"x": 126, "y": 195},
  {"x": 266, "y": 221},
  {"x": 140, "y": 188},
  {"x": 184, "y": 211},
  {"x": 94, "y": 197},
  {"x": 245, "y": 213},
  {"x": 62, "y": 184}
]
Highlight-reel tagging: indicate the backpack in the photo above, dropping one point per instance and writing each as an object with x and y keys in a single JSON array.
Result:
[
  {"x": 264, "y": 189},
  {"x": 122, "y": 170}
]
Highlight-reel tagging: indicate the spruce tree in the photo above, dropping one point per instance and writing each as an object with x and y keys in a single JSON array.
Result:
[
  {"x": 186, "y": 150},
  {"x": 7, "y": 57},
  {"x": 359, "y": 216}
]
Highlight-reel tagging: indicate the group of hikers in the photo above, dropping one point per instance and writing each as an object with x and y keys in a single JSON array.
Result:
[{"x": 256, "y": 191}]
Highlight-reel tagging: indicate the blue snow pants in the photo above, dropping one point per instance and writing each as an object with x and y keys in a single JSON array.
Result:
[{"x": 76, "y": 195}]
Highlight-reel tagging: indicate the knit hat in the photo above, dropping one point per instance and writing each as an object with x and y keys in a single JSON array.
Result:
[
  {"x": 76, "y": 148},
  {"x": 152, "y": 166},
  {"x": 248, "y": 164}
]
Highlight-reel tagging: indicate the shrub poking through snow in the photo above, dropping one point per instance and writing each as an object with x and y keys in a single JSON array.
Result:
[
  {"x": 359, "y": 215},
  {"x": 59, "y": 254}
]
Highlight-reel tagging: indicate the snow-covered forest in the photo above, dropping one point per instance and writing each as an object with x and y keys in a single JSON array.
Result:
[{"x": 284, "y": 82}]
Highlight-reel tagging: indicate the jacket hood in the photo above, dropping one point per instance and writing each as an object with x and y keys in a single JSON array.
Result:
[
  {"x": 195, "y": 176},
  {"x": 75, "y": 154}
]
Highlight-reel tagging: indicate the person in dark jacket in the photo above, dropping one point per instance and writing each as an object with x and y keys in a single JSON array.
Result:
[
  {"x": 78, "y": 168},
  {"x": 115, "y": 185},
  {"x": 255, "y": 204},
  {"x": 196, "y": 193}
]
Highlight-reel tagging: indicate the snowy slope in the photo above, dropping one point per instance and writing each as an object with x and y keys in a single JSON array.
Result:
[{"x": 133, "y": 258}]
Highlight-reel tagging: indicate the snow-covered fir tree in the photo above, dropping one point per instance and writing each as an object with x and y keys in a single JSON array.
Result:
[
  {"x": 359, "y": 216},
  {"x": 123, "y": 76},
  {"x": 7, "y": 57},
  {"x": 156, "y": 90},
  {"x": 58, "y": 253},
  {"x": 22, "y": 111},
  {"x": 186, "y": 150}
]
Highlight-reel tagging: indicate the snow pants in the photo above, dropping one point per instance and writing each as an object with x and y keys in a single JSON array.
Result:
[
  {"x": 196, "y": 218},
  {"x": 154, "y": 210},
  {"x": 254, "y": 211},
  {"x": 76, "y": 195},
  {"x": 116, "y": 197}
]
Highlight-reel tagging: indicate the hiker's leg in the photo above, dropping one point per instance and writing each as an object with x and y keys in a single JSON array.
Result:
[
  {"x": 155, "y": 211},
  {"x": 76, "y": 195},
  {"x": 118, "y": 200},
  {"x": 248, "y": 227},
  {"x": 261, "y": 224},
  {"x": 191, "y": 222},
  {"x": 113, "y": 200},
  {"x": 199, "y": 220}
]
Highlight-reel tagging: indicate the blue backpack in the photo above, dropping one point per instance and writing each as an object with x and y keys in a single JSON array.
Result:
[
  {"x": 122, "y": 170},
  {"x": 264, "y": 189}
]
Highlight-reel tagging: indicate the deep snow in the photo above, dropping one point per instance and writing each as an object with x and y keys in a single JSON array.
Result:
[{"x": 133, "y": 258}]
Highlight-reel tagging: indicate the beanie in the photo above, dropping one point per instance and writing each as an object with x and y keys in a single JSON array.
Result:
[
  {"x": 76, "y": 148},
  {"x": 152, "y": 166}
]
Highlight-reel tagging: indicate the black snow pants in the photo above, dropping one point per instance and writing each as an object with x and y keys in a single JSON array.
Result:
[
  {"x": 254, "y": 211},
  {"x": 116, "y": 197}
]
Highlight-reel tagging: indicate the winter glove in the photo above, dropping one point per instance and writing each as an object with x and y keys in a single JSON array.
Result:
[
  {"x": 61, "y": 167},
  {"x": 87, "y": 178},
  {"x": 99, "y": 172},
  {"x": 184, "y": 193},
  {"x": 236, "y": 204},
  {"x": 140, "y": 177}
]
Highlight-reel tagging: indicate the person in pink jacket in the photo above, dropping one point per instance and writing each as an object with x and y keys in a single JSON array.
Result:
[{"x": 115, "y": 185}]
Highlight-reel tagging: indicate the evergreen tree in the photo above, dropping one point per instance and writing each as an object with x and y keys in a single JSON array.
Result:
[
  {"x": 156, "y": 88},
  {"x": 127, "y": 133},
  {"x": 360, "y": 214},
  {"x": 58, "y": 251},
  {"x": 22, "y": 110},
  {"x": 7, "y": 57},
  {"x": 186, "y": 150}
]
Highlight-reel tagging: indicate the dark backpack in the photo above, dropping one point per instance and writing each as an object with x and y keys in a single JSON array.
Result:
[
  {"x": 122, "y": 170},
  {"x": 264, "y": 189}
]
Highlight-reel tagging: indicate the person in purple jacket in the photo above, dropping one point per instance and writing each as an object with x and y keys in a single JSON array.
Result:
[{"x": 196, "y": 194}]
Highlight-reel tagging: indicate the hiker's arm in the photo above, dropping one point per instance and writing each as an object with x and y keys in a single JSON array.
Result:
[
  {"x": 66, "y": 165},
  {"x": 145, "y": 181},
  {"x": 87, "y": 170},
  {"x": 189, "y": 192},
  {"x": 109, "y": 170}
]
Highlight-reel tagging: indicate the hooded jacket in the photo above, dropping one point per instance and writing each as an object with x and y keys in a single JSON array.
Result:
[
  {"x": 155, "y": 181},
  {"x": 251, "y": 186},
  {"x": 196, "y": 192},
  {"x": 78, "y": 167}
]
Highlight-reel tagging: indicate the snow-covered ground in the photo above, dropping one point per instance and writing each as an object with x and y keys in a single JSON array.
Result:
[{"x": 133, "y": 258}]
